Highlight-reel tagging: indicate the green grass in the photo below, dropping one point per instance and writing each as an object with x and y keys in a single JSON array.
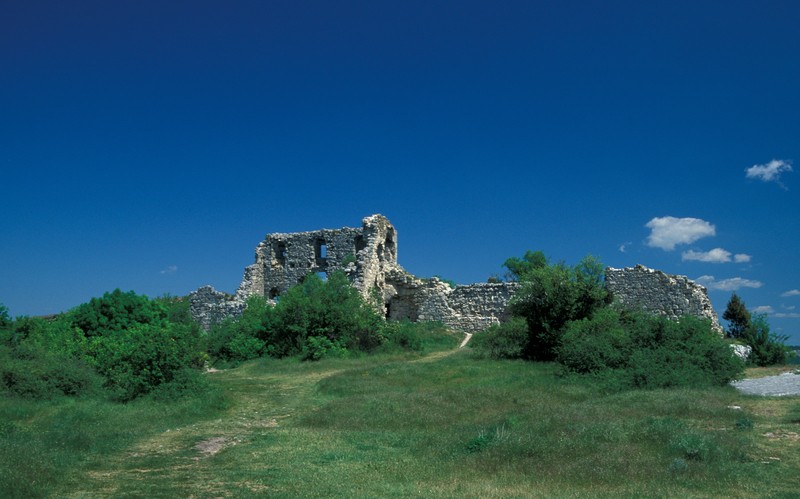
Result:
[{"x": 440, "y": 425}]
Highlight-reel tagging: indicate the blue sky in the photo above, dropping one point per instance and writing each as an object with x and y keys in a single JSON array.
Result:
[{"x": 151, "y": 145}]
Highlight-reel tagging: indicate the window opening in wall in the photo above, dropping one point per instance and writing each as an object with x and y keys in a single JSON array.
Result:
[
  {"x": 275, "y": 294},
  {"x": 320, "y": 250},
  {"x": 323, "y": 276},
  {"x": 390, "y": 246},
  {"x": 360, "y": 244},
  {"x": 280, "y": 253}
]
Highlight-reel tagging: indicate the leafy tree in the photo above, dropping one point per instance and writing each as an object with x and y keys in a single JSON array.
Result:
[
  {"x": 5, "y": 317},
  {"x": 517, "y": 267},
  {"x": 332, "y": 309},
  {"x": 117, "y": 311},
  {"x": 553, "y": 295},
  {"x": 768, "y": 348},
  {"x": 738, "y": 317}
]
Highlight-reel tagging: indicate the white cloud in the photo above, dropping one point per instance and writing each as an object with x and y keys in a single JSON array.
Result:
[
  {"x": 764, "y": 309},
  {"x": 727, "y": 284},
  {"x": 781, "y": 315},
  {"x": 793, "y": 292},
  {"x": 169, "y": 270},
  {"x": 742, "y": 258},
  {"x": 770, "y": 172},
  {"x": 716, "y": 255},
  {"x": 624, "y": 247},
  {"x": 667, "y": 232}
]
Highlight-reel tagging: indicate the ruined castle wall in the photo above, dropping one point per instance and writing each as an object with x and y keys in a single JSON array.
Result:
[
  {"x": 669, "y": 295},
  {"x": 209, "y": 306},
  {"x": 483, "y": 299},
  {"x": 469, "y": 308},
  {"x": 368, "y": 255},
  {"x": 283, "y": 260}
]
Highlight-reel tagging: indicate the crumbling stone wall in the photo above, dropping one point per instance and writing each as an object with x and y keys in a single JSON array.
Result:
[
  {"x": 282, "y": 260},
  {"x": 664, "y": 294},
  {"x": 209, "y": 306},
  {"x": 368, "y": 255}
]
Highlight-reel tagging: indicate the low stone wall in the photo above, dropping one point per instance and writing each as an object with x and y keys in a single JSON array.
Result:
[
  {"x": 209, "y": 306},
  {"x": 664, "y": 294},
  {"x": 468, "y": 308}
]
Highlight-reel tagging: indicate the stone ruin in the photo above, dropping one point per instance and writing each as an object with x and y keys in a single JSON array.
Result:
[
  {"x": 663, "y": 294},
  {"x": 368, "y": 256}
]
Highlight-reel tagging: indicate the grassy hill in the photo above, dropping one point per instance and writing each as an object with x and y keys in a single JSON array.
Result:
[{"x": 443, "y": 424}]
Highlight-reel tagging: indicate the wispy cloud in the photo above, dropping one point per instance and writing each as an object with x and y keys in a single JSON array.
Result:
[
  {"x": 764, "y": 309},
  {"x": 716, "y": 255},
  {"x": 624, "y": 246},
  {"x": 731, "y": 284},
  {"x": 667, "y": 232},
  {"x": 782, "y": 315},
  {"x": 770, "y": 172},
  {"x": 793, "y": 292},
  {"x": 169, "y": 270}
]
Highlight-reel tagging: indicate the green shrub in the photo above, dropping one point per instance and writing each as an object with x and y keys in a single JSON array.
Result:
[
  {"x": 332, "y": 309},
  {"x": 503, "y": 341},
  {"x": 768, "y": 348},
  {"x": 320, "y": 347},
  {"x": 553, "y": 295},
  {"x": 596, "y": 344},
  {"x": 237, "y": 340},
  {"x": 134, "y": 361},
  {"x": 38, "y": 374},
  {"x": 117, "y": 311},
  {"x": 639, "y": 350}
]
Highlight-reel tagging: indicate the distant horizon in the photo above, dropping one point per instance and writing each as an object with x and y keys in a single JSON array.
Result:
[{"x": 500, "y": 275}]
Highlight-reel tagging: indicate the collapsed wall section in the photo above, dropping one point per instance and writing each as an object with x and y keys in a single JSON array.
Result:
[
  {"x": 470, "y": 308},
  {"x": 668, "y": 295},
  {"x": 209, "y": 306}
]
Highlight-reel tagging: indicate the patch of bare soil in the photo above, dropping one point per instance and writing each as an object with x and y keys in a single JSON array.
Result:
[{"x": 211, "y": 446}]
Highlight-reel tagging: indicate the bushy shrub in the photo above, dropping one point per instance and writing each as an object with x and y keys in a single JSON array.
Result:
[
  {"x": 553, "y": 295},
  {"x": 134, "y": 361},
  {"x": 332, "y": 309},
  {"x": 320, "y": 347},
  {"x": 237, "y": 340},
  {"x": 117, "y": 311},
  {"x": 503, "y": 341},
  {"x": 404, "y": 334},
  {"x": 768, "y": 348},
  {"x": 417, "y": 336},
  {"x": 639, "y": 350},
  {"x": 38, "y": 374},
  {"x": 596, "y": 344}
]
